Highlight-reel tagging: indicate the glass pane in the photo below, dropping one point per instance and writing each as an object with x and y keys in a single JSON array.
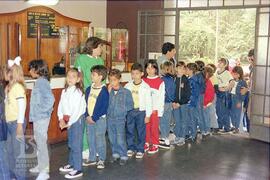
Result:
[
  {"x": 170, "y": 39},
  {"x": 233, "y": 2},
  {"x": 183, "y": 3},
  {"x": 257, "y": 119},
  {"x": 169, "y": 3},
  {"x": 262, "y": 51},
  {"x": 154, "y": 44},
  {"x": 268, "y": 82},
  {"x": 215, "y": 3},
  {"x": 142, "y": 24},
  {"x": 142, "y": 47},
  {"x": 154, "y": 24},
  {"x": 264, "y": 9},
  {"x": 201, "y": 3},
  {"x": 169, "y": 25},
  {"x": 257, "y": 105},
  {"x": 251, "y": 2},
  {"x": 264, "y": 24},
  {"x": 265, "y": 1},
  {"x": 259, "y": 80}
]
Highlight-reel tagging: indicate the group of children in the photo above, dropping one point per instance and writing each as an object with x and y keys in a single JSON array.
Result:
[{"x": 137, "y": 116}]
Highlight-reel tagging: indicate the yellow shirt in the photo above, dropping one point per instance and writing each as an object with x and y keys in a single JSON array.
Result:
[
  {"x": 214, "y": 80},
  {"x": 135, "y": 95},
  {"x": 92, "y": 99},
  {"x": 17, "y": 91}
]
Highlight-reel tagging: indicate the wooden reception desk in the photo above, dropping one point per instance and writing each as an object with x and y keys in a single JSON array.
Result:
[{"x": 55, "y": 135}]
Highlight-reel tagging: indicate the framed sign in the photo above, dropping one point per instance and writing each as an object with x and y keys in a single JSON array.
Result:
[{"x": 46, "y": 22}]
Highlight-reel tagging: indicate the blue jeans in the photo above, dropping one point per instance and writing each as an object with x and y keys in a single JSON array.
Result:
[
  {"x": 16, "y": 153},
  {"x": 96, "y": 139},
  {"x": 235, "y": 112},
  {"x": 206, "y": 114},
  {"x": 164, "y": 122},
  {"x": 75, "y": 143},
  {"x": 181, "y": 117},
  {"x": 4, "y": 172},
  {"x": 135, "y": 123},
  {"x": 192, "y": 123},
  {"x": 116, "y": 131},
  {"x": 223, "y": 114},
  {"x": 200, "y": 119}
]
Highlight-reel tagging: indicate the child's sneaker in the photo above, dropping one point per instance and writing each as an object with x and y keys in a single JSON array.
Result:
[
  {"x": 161, "y": 141},
  {"x": 122, "y": 162},
  {"x": 67, "y": 168},
  {"x": 34, "y": 170},
  {"x": 139, "y": 155},
  {"x": 236, "y": 131},
  {"x": 100, "y": 165},
  {"x": 89, "y": 163},
  {"x": 74, "y": 174},
  {"x": 165, "y": 145},
  {"x": 130, "y": 153},
  {"x": 153, "y": 149},
  {"x": 146, "y": 147}
]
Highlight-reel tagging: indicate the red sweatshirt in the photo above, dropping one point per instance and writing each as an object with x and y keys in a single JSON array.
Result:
[{"x": 209, "y": 92}]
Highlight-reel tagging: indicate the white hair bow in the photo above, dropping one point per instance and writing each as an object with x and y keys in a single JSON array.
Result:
[{"x": 16, "y": 61}]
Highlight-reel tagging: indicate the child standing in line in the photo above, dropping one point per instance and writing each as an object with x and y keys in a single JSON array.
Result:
[
  {"x": 97, "y": 101},
  {"x": 90, "y": 57},
  {"x": 237, "y": 97},
  {"x": 180, "y": 104},
  {"x": 140, "y": 115},
  {"x": 208, "y": 99},
  {"x": 212, "y": 107},
  {"x": 41, "y": 106},
  {"x": 70, "y": 113},
  {"x": 120, "y": 104},
  {"x": 223, "y": 97},
  {"x": 158, "y": 98},
  {"x": 15, "y": 105},
  {"x": 167, "y": 71},
  {"x": 4, "y": 171},
  {"x": 192, "y": 69}
]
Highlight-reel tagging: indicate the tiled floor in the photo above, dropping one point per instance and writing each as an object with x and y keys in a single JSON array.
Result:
[{"x": 219, "y": 157}]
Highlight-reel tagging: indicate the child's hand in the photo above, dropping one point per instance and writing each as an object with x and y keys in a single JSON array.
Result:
[
  {"x": 90, "y": 120},
  {"x": 62, "y": 124},
  {"x": 19, "y": 130},
  {"x": 175, "y": 105},
  {"x": 243, "y": 91},
  {"x": 146, "y": 120},
  {"x": 238, "y": 105}
]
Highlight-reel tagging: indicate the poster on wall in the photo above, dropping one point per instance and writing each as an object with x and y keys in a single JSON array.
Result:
[{"x": 47, "y": 25}]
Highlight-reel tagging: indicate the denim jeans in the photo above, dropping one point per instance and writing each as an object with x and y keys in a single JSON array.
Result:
[
  {"x": 164, "y": 123},
  {"x": 41, "y": 137},
  {"x": 192, "y": 123},
  {"x": 135, "y": 123},
  {"x": 4, "y": 172},
  {"x": 96, "y": 139},
  {"x": 181, "y": 116},
  {"x": 75, "y": 143},
  {"x": 116, "y": 131},
  {"x": 200, "y": 120},
  {"x": 16, "y": 153},
  {"x": 206, "y": 114},
  {"x": 235, "y": 112},
  {"x": 223, "y": 114}
]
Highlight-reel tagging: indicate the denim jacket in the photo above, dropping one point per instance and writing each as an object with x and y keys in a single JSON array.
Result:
[
  {"x": 42, "y": 100},
  {"x": 119, "y": 105},
  {"x": 240, "y": 84}
]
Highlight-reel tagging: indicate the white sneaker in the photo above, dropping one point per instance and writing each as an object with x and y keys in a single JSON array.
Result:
[
  {"x": 74, "y": 174},
  {"x": 130, "y": 153},
  {"x": 66, "y": 168},
  {"x": 139, "y": 155},
  {"x": 43, "y": 176},
  {"x": 34, "y": 170},
  {"x": 100, "y": 165}
]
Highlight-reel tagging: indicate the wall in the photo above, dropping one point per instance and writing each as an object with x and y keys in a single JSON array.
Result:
[
  {"x": 126, "y": 13},
  {"x": 94, "y": 11}
]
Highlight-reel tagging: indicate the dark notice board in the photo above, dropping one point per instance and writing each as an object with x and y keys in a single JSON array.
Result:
[{"x": 47, "y": 25}]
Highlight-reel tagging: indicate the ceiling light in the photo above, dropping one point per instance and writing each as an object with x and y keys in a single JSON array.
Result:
[{"x": 43, "y": 2}]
